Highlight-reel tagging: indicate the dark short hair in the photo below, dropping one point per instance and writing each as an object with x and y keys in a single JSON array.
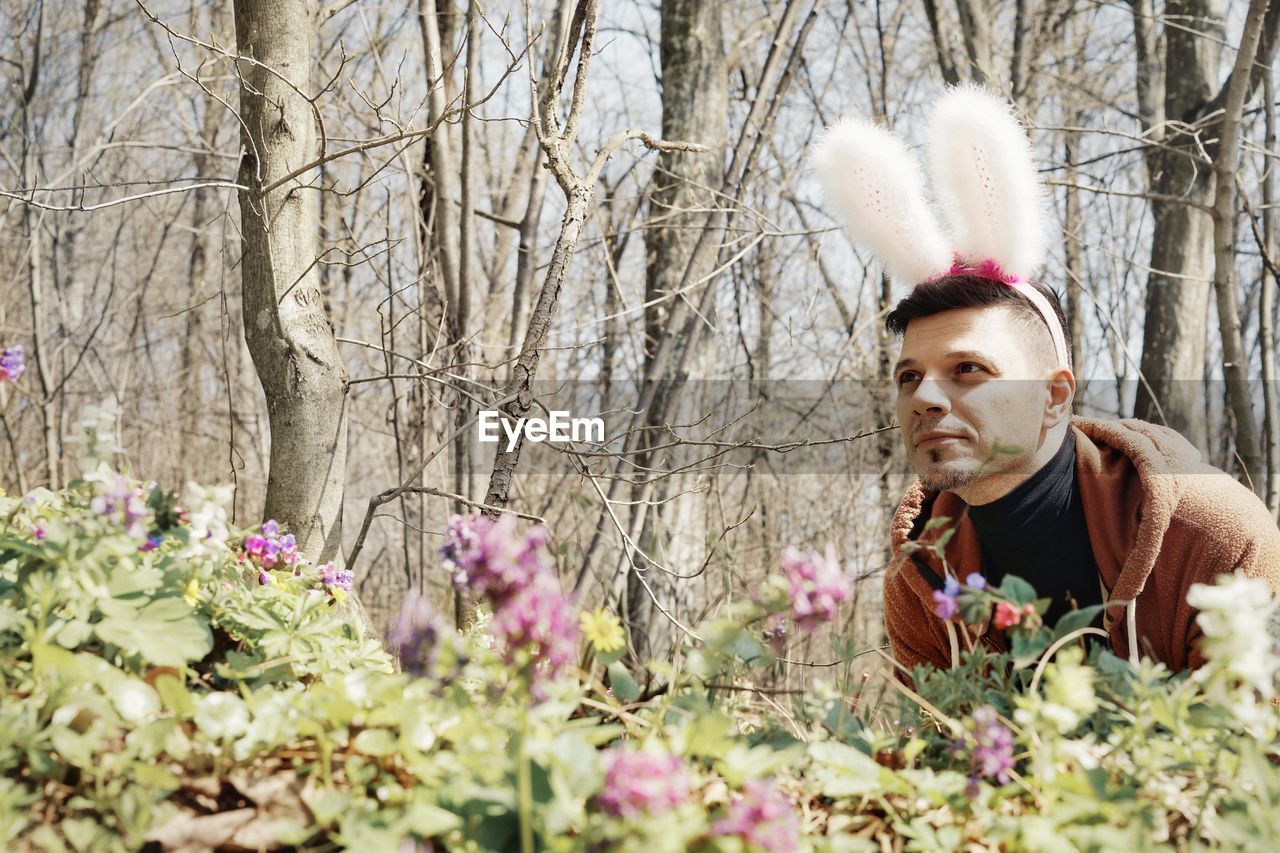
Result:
[{"x": 950, "y": 292}]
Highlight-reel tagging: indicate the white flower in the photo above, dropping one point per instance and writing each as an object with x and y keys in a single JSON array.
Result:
[
  {"x": 1234, "y": 616},
  {"x": 1068, "y": 694},
  {"x": 135, "y": 701},
  {"x": 222, "y": 715},
  {"x": 207, "y": 520},
  {"x": 422, "y": 735},
  {"x": 94, "y": 434}
]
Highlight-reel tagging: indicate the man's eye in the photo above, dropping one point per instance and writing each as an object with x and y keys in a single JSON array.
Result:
[
  {"x": 907, "y": 377},
  {"x": 970, "y": 367}
]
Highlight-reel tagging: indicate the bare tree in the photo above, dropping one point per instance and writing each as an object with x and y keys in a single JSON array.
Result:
[
  {"x": 695, "y": 108},
  {"x": 285, "y": 322},
  {"x": 1235, "y": 360},
  {"x": 1180, "y": 102}
]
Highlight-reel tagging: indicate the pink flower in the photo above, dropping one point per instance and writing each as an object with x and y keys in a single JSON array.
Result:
[
  {"x": 762, "y": 817},
  {"x": 255, "y": 545},
  {"x": 1006, "y": 615},
  {"x": 341, "y": 578},
  {"x": 489, "y": 559},
  {"x": 531, "y": 614},
  {"x": 540, "y": 621},
  {"x": 817, "y": 585},
  {"x": 271, "y": 549},
  {"x": 637, "y": 783}
]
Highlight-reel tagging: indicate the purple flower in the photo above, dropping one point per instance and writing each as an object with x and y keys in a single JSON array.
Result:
[
  {"x": 993, "y": 753},
  {"x": 154, "y": 541},
  {"x": 762, "y": 817},
  {"x": 271, "y": 549},
  {"x": 415, "y": 634},
  {"x": 946, "y": 598},
  {"x": 125, "y": 501},
  {"x": 488, "y": 559},
  {"x": 976, "y": 582},
  {"x": 947, "y": 606},
  {"x": 264, "y": 578},
  {"x": 637, "y": 783},
  {"x": 341, "y": 578},
  {"x": 12, "y": 363},
  {"x": 288, "y": 549},
  {"x": 817, "y": 585}
]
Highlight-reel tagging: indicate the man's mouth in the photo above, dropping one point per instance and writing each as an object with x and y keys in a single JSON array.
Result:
[{"x": 937, "y": 439}]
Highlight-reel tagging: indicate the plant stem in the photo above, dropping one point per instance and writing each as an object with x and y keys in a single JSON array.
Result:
[{"x": 525, "y": 783}]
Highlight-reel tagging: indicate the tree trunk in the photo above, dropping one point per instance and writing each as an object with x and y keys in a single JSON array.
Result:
[
  {"x": 286, "y": 327},
  {"x": 1178, "y": 286},
  {"x": 695, "y": 106},
  {"x": 1235, "y": 360},
  {"x": 1071, "y": 221},
  {"x": 1266, "y": 319}
]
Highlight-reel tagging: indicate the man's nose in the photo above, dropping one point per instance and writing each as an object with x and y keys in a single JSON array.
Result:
[{"x": 930, "y": 398}]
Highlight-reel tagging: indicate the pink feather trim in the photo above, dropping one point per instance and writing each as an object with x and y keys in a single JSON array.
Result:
[
  {"x": 986, "y": 268},
  {"x": 990, "y": 270}
]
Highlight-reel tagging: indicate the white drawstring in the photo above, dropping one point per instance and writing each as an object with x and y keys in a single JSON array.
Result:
[
  {"x": 955, "y": 644},
  {"x": 1131, "y": 617}
]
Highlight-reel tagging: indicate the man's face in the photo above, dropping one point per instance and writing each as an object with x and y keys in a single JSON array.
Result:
[{"x": 971, "y": 397}]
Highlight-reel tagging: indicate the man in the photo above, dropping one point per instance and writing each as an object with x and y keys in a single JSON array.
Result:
[
  {"x": 1087, "y": 511},
  {"x": 1118, "y": 513}
]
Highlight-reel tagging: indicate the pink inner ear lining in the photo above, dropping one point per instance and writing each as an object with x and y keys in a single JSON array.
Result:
[{"x": 990, "y": 270}]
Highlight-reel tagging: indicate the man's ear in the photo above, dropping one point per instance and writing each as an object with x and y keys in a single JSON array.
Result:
[{"x": 1062, "y": 393}]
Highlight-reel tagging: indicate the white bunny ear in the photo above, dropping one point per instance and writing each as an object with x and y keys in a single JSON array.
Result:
[
  {"x": 876, "y": 185},
  {"x": 986, "y": 179}
]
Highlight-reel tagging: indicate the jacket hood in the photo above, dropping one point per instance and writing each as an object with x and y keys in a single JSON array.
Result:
[{"x": 1126, "y": 515}]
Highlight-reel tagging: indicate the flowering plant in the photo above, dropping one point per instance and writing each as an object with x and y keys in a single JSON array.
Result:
[{"x": 152, "y": 688}]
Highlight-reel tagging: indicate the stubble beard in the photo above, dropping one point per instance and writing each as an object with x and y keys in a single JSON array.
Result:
[{"x": 938, "y": 476}]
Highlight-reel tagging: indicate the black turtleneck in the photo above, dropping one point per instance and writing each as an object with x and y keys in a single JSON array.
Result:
[{"x": 1038, "y": 533}]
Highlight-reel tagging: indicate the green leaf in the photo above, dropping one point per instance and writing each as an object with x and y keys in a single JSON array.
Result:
[
  {"x": 844, "y": 771},
  {"x": 376, "y": 742},
  {"x": 1075, "y": 620},
  {"x": 155, "y": 777},
  {"x": 128, "y": 579},
  {"x": 624, "y": 686},
  {"x": 166, "y": 632},
  {"x": 1017, "y": 590},
  {"x": 428, "y": 821},
  {"x": 10, "y": 547},
  {"x": 10, "y": 619},
  {"x": 82, "y": 833},
  {"x": 175, "y": 696},
  {"x": 326, "y": 804},
  {"x": 74, "y": 634},
  {"x": 1026, "y": 650}
]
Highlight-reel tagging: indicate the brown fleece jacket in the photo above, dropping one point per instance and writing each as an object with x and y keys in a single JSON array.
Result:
[{"x": 1159, "y": 520}]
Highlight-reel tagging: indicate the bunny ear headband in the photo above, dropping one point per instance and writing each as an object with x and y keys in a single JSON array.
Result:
[{"x": 992, "y": 200}]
